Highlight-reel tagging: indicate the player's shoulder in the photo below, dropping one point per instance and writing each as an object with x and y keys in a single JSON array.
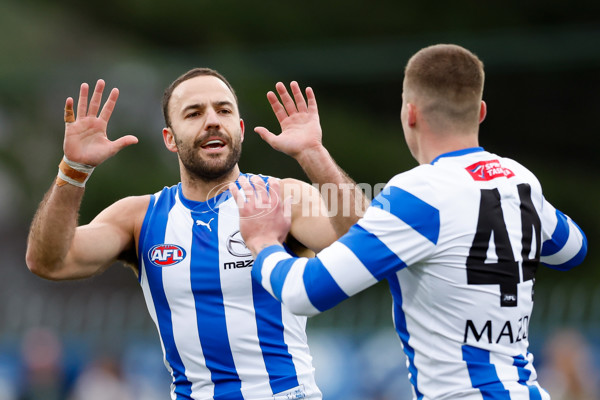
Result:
[
  {"x": 418, "y": 178},
  {"x": 293, "y": 182},
  {"x": 127, "y": 212},
  {"x": 519, "y": 172},
  {"x": 517, "y": 166},
  {"x": 132, "y": 205},
  {"x": 434, "y": 182},
  {"x": 301, "y": 192},
  {"x": 136, "y": 200}
]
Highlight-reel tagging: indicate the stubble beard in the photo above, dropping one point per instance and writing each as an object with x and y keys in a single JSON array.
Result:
[{"x": 213, "y": 167}]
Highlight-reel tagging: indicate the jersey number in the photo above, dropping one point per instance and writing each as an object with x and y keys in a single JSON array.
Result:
[{"x": 505, "y": 272}]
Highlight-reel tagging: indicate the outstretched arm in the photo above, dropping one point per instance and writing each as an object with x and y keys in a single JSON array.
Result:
[
  {"x": 397, "y": 231},
  {"x": 301, "y": 138},
  {"x": 308, "y": 286},
  {"x": 56, "y": 248}
]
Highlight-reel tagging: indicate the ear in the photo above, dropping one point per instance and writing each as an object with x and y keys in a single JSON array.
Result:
[
  {"x": 411, "y": 113},
  {"x": 242, "y": 128},
  {"x": 482, "y": 111},
  {"x": 169, "y": 140}
]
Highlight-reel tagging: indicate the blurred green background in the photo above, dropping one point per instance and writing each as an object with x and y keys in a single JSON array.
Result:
[{"x": 542, "y": 63}]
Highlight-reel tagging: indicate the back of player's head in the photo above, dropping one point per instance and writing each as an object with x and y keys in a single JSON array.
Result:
[
  {"x": 189, "y": 75},
  {"x": 447, "y": 80}
]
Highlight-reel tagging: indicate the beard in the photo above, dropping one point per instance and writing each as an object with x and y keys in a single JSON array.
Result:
[{"x": 213, "y": 166}]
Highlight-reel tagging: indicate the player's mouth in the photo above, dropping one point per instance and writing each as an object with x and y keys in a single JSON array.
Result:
[{"x": 213, "y": 144}]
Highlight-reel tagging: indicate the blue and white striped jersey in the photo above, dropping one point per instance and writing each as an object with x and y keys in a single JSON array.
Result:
[
  {"x": 459, "y": 241},
  {"x": 223, "y": 336}
]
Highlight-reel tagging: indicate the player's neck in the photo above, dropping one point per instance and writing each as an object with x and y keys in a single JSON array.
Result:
[
  {"x": 197, "y": 189},
  {"x": 438, "y": 145}
]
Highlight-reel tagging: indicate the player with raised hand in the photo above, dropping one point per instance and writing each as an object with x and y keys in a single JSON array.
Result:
[
  {"x": 458, "y": 239},
  {"x": 85, "y": 146},
  {"x": 223, "y": 336}
]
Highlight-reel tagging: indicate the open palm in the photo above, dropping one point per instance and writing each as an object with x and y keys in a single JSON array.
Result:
[
  {"x": 298, "y": 118},
  {"x": 86, "y": 140}
]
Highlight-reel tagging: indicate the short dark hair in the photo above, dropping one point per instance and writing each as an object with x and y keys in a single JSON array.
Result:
[
  {"x": 189, "y": 75},
  {"x": 450, "y": 76}
]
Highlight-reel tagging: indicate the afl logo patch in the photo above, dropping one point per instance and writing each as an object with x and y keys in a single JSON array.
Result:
[{"x": 165, "y": 255}]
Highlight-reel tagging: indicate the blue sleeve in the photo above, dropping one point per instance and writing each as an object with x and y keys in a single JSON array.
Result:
[{"x": 567, "y": 247}]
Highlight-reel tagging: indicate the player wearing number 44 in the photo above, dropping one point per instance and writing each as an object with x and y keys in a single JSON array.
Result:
[{"x": 458, "y": 238}]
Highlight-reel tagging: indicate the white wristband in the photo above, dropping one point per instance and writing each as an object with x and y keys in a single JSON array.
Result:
[{"x": 73, "y": 173}]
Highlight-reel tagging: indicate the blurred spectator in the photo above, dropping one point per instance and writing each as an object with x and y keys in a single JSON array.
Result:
[
  {"x": 568, "y": 372},
  {"x": 43, "y": 377},
  {"x": 102, "y": 380},
  {"x": 7, "y": 389},
  {"x": 9, "y": 373}
]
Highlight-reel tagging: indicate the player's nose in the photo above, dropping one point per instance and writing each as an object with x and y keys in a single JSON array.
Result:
[{"x": 212, "y": 119}]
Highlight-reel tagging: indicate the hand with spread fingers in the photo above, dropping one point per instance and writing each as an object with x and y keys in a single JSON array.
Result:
[
  {"x": 265, "y": 218},
  {"x": 299, "y": 120},
  {"x": 86, "y": 139},
  {"x": 301, "y": 138}
]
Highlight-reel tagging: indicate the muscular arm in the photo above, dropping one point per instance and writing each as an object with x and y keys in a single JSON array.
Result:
[
  {"x": 53, "y": 229},
  {"x": 354, "y": 262},
  {"x": 397, "y": 230},
  {"x": 345, "y": 201},
  {"x": 310, "y": 222},
  {"x": 58, "y": 249}
]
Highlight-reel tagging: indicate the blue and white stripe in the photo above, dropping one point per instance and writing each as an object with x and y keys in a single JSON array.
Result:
[
  {"x": 417, "y": 234},
  {"x": 223, "y": 336},
  {"x": 557, "y": 251}
]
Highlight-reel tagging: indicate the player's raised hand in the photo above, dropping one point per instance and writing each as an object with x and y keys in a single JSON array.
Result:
[
  {"x": 86, "y": 140},
  {"x": 298, "y": 118}
]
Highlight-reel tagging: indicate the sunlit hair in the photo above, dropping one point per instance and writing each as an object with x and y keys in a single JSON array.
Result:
[
  {"x": 448, "y": 79},
  {"x": 189, "y": 75}
]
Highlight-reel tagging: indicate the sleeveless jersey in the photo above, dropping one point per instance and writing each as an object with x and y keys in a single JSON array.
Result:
[
  {"x": 223, "y": 336},
  {"x": 459, "y": 241}
]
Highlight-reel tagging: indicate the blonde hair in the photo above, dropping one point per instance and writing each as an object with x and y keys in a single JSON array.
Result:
[{"x": 447, "y": 81}]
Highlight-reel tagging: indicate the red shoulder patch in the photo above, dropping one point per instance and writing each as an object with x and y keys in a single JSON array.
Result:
[{"x": 488, "y": 170}]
